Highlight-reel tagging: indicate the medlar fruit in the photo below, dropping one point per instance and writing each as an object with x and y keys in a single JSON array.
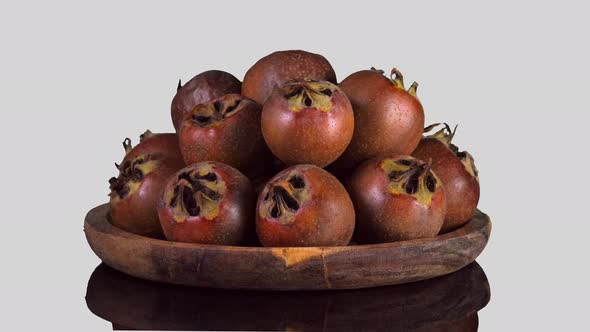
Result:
[
  {"x": 397, "y": 199},
  {"x": 209, "y": 203},
  {"x": 150, "y": 143},
  {"x": 227, "y": 130},
  {"x": 388, "y": 119},
  {"x": 279, "y": 67},
  {"x": 304, "y": 205},
  {"x": 200, "y": 89},
  {"x": 457, "y": 171},
  {"x": 307, "y": 122},
  {"x": 135, "y": 192}
]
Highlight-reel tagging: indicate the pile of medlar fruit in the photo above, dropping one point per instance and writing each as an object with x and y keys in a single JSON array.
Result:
[{"x": 290, "y": 157}]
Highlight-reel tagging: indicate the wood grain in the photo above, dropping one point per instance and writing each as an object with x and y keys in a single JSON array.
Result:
[
  {"x": 448, "y": 303},
  {"x": 309, "y": 268}
]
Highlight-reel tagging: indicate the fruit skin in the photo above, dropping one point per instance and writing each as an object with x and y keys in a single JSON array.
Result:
[
  {"x": 462, "y": 187},
  {"x": 231, "y": 224},
  {"x": 325, "y": 216},
  {"x": 235, "y": 140},
  {"x": 314, "y": 133},
  {"x": 383, "y": 216},
  {"x": 279, "y": 67},
  {"x": 150, "y": 143},
  {"x": 136, "y": 212},
  {"x": 200, "y": 89},
  {"x": 388, "y": 119}
]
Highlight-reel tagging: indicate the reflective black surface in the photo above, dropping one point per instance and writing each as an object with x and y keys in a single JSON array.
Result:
[{"x": 448, "y": 303}]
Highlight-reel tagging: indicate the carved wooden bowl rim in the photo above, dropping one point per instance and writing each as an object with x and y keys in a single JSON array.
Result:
[{"x": 288, "y": 268}]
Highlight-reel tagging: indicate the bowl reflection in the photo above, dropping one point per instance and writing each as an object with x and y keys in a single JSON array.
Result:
[{"x": 448, "y": 303}]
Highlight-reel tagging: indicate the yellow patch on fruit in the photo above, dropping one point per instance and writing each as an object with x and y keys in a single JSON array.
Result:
[
  {"x": 396, "y": 187},
  {"x": 312, "y": 94},
  {"x": 208, "y": 207},
  {"x": 146, "y": 167}
]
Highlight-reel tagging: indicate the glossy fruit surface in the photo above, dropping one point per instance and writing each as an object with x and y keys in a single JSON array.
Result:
[
  {"x": 307, "y": 122},
  {"x": 304, "y": 205},
  {"x": 226, "y": 130},
  {"x": 150, "y": 143},
  {"x": 397, "y": 199},
  {"x": 388, "y": 119},
  {"x": 457, "y": 171},
  {"x": 135, "y": 193},
  {"x": 200, "y": 89},
  {"x": 280, "y": 67},
  {"x": 208, "y": 203}
]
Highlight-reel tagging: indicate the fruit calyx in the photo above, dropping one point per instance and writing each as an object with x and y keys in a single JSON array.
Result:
[
  {"x": 308, "y": 94},
  {"x": 445, "y": 136},
  {"x": 131, "y": 173},
  {"x": 284, "y": 197},
  {"x": 398, "y": 81},
  {"x": 411, "y": 177},
  {"x": 213, "y": 113},
  {"x": 127, "y": 141},
  {"x": 196, "y": 193}
]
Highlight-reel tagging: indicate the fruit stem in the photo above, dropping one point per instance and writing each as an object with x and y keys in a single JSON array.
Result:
[
  {"x": 147, "y": 134},
  {"x": 127, "y": 145},
  {"x": 426, "y": 168},
  {"x": 429, "y": 128},
  {"x": 179, "y": 86},
  {"x": 413, "y": 88},
  {"x": 378, "y": 70},
  {"x": 397, "y": 78},
  {"x": 445, "y": 134}
]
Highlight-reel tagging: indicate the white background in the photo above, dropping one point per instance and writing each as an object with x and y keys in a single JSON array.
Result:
[{"x": 76, "y": 78}]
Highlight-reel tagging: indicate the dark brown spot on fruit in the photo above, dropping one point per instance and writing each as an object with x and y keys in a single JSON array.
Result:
[
  {"x": 283, "y": 196},
  {"x": 218, "y": 105},
  {"x": 202, "y": 120},
  {"x": 307, "y": 101},
  {"x": 189, "y": 187},
  {"x": 123, "y": 191},
  {"x": 327, "y": 92},
  {"x": 275, "y": 211},
  {"x": 430, "y": 183},
  {"x": 209, "y": 177},
  {"x": 294, "y": 92},
  {"x": 137, "y": 175},
  {"x": 230, "y": 109},
  {"x": 405, "y": 162},
  {"x": 297, "y": 182},
  {"x": 411, "y": 187}
]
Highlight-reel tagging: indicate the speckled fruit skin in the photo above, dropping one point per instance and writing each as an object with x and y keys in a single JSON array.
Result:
[
  {"x": 233, "y": 225},
  {"x": 236, "y": 140},
  {"x": 165, "y": 143},
  {"x": 200, "y": 89},
  {"x": 388, "y": 120},
  {"x": 309, "y": 136},
  {"x": 461, "y": 187},
  {"x": 326, "y": 219},
  {"x": 279, "y": 67},
  {"x": 137, "y": 212},
  {"x": 386, "y": 217}
]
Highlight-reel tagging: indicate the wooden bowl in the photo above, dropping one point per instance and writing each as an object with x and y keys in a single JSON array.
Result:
[{"x": 305, "y": 268}]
